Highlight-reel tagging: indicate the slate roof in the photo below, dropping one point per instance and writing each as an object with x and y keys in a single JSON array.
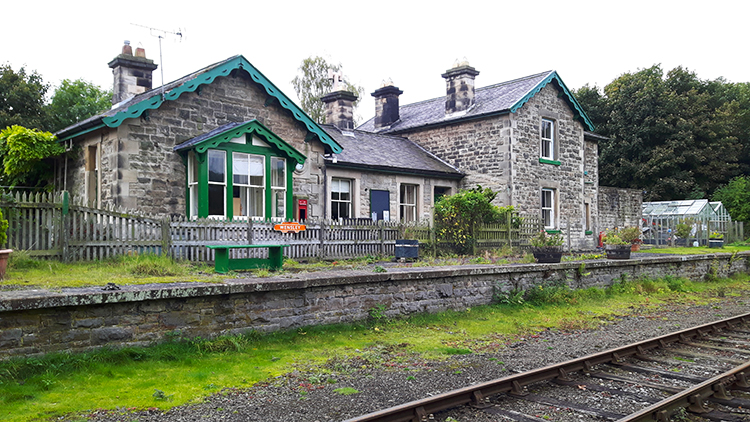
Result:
[
  {"x": 501, "y": 98},
  {"x": 124, "y": 105},
  {"x": 208, "y": 135},
  {"x": 379, "y": 152},
  {"x": 149, "y": 100}
]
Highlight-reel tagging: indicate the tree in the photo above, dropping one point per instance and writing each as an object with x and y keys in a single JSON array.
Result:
[
  {"x": 22, "y": 98},
  {"x": 735, "y": 196},
  {"x": 674, "y": 136},
  {"x": 74, "y": 101},
  {"x": 24, "y": 153},
  {"x": 312, "y": 82}
]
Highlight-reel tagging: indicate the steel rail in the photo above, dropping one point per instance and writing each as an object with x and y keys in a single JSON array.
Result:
[
  {"x": 418, "y": 410},
  {"x": 693, "y": 397}
]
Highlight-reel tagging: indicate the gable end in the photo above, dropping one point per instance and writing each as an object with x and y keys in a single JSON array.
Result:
[{"x": 570, "y": 99}]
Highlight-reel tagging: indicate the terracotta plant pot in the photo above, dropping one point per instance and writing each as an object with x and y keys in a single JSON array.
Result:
[
  {"x": 4, "y": 255},
  {"x": 635, "y": 247}
]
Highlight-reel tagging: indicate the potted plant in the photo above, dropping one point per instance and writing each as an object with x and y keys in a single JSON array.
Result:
[
  {"x": 716, "y": 240},
  {"x": 547, "y": 247},
  {"x": 615, "y": 246},
  {"x": 683, "y": 231},
  {"x": 631, "y": 235}
]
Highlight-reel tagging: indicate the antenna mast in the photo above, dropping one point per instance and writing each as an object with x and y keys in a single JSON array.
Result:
[{"x": 160, "y": 33}]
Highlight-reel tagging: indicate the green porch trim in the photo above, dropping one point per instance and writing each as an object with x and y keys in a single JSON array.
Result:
[
  {"x": 251, "y": 127},
  {"x": 223, "y": 69},
  {"x": 553, "y": 231},
  {"x": 553, "y": 76},
  {"x": 546, "y": 161},
  {"x": 588, "y": 232}
]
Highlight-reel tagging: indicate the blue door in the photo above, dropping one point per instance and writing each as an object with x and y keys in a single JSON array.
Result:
[{"x": 380, "y": 201}]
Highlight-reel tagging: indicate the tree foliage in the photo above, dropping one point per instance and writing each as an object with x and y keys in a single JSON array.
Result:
[
  {"x": 457, "y": 215},
  {"x": 22, "y": 98},
  {"x": 74, "y": 101},
  {"x": 23, "y": 152},
  {"x": 312, "y": 82},
  {"x": 675, "y": 136},
  {"x": 735, "y": 196}
]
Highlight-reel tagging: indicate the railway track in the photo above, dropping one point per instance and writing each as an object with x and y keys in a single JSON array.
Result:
[{"x": 703, "y": 371}]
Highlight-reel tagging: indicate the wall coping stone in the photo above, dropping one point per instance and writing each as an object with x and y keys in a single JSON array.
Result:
[{"x": 17, "y": 300}]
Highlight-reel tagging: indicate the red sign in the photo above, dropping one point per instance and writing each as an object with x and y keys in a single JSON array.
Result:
[{"x": 290, "y": 227}]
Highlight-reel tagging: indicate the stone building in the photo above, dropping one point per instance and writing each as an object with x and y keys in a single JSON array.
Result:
[
  {"x": 527, "y": 139},
  {"x": 225, "y": 142}
]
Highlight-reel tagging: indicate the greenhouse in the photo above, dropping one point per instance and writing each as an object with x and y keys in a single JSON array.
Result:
[{"x": 689, "y": 222}]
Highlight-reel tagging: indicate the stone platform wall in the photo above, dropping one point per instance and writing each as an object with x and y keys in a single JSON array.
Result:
[{"x": 36, "y": 321}]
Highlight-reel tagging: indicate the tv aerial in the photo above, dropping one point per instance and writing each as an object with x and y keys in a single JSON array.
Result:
[{"x": 161, "y": 33}]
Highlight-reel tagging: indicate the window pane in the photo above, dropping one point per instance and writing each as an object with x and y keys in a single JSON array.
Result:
[
  {"x": 256, "y": 202},
  {"x": 279, "y": 198},
  {"x": 240, "y": 168},
  {"x": 193, "y": 200},
  {"x": 278, "y": 173},
  {"x": 216, "y": 200},
  {"x": 216, "y": 166}
]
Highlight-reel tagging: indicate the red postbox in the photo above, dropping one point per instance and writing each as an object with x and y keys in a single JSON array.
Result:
[{"x": 301, "y": 209}]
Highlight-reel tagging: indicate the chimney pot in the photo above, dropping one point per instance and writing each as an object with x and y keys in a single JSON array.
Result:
[
  {"x": 340, "y": 109},
  {"x": 132, "y": 74},
  {"x": 386, "y": 105},
  {"x": 459, "y": 87}
]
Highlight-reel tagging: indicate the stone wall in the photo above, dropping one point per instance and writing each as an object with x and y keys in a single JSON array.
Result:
[
  {"x": 36, "y": 321},
  {"x": 619, "y": 207},
  {"x": 480, "y": 149},
  {"x": 141, "y": 171}
]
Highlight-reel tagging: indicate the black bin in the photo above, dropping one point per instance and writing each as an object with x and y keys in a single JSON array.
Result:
[{"x": 407, "y": 249}]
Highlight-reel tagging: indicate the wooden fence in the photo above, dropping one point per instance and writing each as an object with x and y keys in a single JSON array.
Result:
[{"x": 49, "y": 225}]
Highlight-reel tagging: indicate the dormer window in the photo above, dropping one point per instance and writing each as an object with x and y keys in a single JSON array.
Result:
[{"x": 548, "y": 140}]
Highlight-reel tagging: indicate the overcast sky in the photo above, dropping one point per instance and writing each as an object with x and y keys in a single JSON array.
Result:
[{"x": 410, "y": 42}]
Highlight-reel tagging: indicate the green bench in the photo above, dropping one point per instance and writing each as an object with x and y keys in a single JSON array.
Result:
[{"x": 223, "y": 264}]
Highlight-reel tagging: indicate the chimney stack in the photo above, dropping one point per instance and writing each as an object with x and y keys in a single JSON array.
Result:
[
  {"x": 339, "y": 103},
  {"x": 459, "y": 87},
  {"x": 132, "y": 74},
  {"x": 386, "y": 105}
]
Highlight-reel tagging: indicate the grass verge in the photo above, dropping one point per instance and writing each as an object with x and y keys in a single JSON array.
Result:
[{"x": 183, "y": 370}]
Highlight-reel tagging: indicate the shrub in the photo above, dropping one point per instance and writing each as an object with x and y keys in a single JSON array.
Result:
[{"x": 457, "y": 215}]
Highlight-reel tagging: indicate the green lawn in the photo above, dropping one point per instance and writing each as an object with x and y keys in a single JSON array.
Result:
[
  {"x": 697, "y": 251},
  {"x": 182, "y": 371}
]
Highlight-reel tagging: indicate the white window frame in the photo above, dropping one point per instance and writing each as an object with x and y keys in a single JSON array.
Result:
[
  {"x": 547, "y": 135},
  {"x": 192, "y": 176},
  {"x": 408, "y": 211},
  {"x": 336, "y": 183},
  {"x": 278, "y": 191},
  {"x": 548, "y": 208},
  {"x": 223, "y": 184},
  {"x": 250, "y": 187}
]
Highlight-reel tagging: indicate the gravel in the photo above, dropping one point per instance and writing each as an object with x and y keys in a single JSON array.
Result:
[{"x": 310, "y": 394}]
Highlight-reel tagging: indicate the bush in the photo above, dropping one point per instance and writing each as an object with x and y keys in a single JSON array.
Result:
[{"x": 457, "y": 215}]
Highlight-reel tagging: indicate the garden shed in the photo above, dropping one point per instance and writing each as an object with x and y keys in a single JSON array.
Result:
[{"x": 660, "y": 220}]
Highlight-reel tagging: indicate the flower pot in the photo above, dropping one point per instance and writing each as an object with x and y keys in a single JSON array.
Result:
[
  {"x": 4, "y": 255},
  {"x": 617, "y": 251},
  {"x": 635, "y": 247},
  {"x": 715, "y": 243},
  {"x": 551, "y": 255}
]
